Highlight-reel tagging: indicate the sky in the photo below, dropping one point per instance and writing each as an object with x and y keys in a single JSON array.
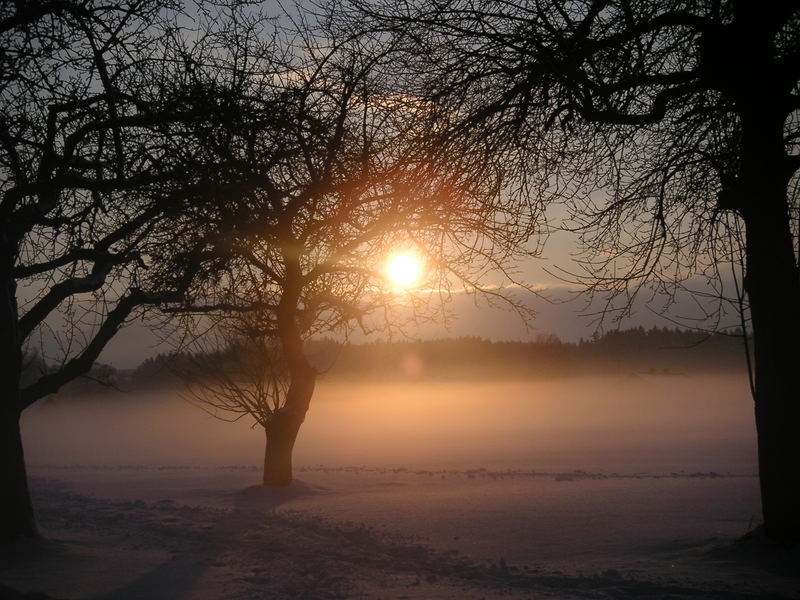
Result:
[
  {"x": 567, "y": 315},
  {"x": 564, "y": 319},
  {"x": 565, "y": 312}
]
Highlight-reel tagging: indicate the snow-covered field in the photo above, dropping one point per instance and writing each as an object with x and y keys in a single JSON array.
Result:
[{"x": 634, "y": 487}]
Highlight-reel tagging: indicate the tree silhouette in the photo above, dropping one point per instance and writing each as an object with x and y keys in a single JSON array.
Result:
[
  {"x": 663, "y": 126},
  {"x": 239, "y": 372},
  {"x": 333, "y": 178},
  {"x": 93, "y": 174}
]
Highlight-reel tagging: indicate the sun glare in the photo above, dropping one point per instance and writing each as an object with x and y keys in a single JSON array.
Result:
[{"x": 404, "y": 269}]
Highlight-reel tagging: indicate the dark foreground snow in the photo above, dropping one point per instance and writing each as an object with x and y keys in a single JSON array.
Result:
[{"x": 254, "y": 543}]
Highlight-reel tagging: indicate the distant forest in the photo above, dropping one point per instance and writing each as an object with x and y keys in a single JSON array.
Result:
[
  {"x": 660, "y": 351},
  {"x": 657, "y": 351}
]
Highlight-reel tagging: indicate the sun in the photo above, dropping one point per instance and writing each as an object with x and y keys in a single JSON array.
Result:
[{"x": 404, "y": 269}]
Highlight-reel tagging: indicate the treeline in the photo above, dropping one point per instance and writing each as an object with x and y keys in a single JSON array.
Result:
[{"x": 661, "y": 351}]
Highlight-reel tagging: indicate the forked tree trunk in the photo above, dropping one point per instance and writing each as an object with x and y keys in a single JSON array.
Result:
[{"x": 284, "y": 426}]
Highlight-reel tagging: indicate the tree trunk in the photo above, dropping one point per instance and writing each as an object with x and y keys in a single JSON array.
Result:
[
  {"x": 281, "y": 436},
  {"x": 772, "y": 281},
  {"x": 16, "y": 516},
  {"x": 284, "y": 426},
  {"x": 773, "y": 289}
]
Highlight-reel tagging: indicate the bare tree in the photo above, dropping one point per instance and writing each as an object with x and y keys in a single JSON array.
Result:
[
  {"x": 94, "y": 173},
  {"x": 674, "y": 122},
  {"x": 237, "y": 372},
  {"x": 338, "y": 178}
]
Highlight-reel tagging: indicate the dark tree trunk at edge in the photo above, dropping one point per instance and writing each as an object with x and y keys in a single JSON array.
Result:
[
  {"x": 16, "y": 514},
  {"x": 772, "y": 280},
  {"x": 774, "y": 293}
]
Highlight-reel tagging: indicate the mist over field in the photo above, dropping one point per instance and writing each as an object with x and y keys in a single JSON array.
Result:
[
  {"x": 627, "y": 484},
  {"x": 639, "y": 422},
  {"x": 632, "y": 453}
]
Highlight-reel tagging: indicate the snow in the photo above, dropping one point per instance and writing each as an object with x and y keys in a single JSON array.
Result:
[{"x": 607, "y": 488}]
